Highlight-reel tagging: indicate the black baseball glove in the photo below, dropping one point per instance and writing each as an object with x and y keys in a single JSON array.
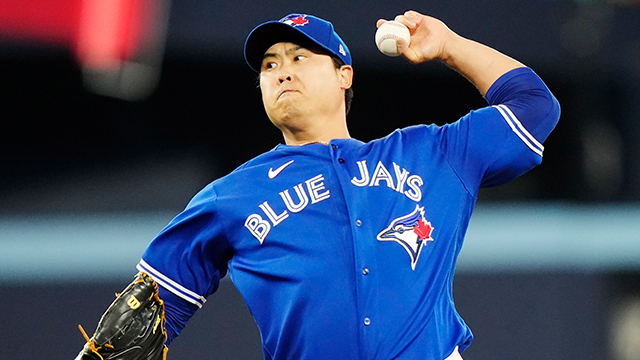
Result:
[{"x": 132, "y": 328}]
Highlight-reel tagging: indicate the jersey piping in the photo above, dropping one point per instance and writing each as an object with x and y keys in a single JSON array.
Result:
[
  {"x": 171, "y": 285},
  {"x": 519, "y": 129}
]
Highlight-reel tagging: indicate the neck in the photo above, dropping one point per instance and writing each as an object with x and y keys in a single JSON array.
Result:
[
  {"x": 310, "y": 126},
  {"x": 320, "y": 139},
  {"x": 322, "y": 135},
  {"x": 314, "y": 142}
]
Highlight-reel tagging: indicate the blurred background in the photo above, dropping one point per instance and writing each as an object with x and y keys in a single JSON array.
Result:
[{"x": 113, "y": 113}]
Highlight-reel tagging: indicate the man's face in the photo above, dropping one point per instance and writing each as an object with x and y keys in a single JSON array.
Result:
[{"x": 298, "y": 83}]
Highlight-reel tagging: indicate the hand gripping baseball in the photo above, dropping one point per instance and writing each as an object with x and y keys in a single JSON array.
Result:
[
  {"x": 132, "y": 328},
  {"x": 429, "y": 37}
]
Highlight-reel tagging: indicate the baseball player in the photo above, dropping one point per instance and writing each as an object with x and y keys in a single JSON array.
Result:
[{"x": 342, "y": 249}]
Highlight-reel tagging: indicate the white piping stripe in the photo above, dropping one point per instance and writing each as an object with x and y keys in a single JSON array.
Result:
[
  {"x": 170, "y": 288},
  {"x": 518, "y": 132},
  {"x": 522, "y": 128},
  {"x": 173, "y": 290},
  {"x": 519, "y": 129},
  {"x": 171, "y": 285}
]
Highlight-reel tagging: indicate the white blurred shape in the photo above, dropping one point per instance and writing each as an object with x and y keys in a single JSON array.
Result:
[{"x": 625, "y": 329}]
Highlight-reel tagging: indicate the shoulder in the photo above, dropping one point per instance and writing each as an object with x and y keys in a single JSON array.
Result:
[
  {"x": 410, "y": 136},
  {"x": 245, "y": 171},
  {"x": 255, "y": 173},
  {"x": 260, "y": 160}
]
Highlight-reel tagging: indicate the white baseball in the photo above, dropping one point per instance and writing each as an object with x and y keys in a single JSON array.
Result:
[{"x": 388, "y": 33}]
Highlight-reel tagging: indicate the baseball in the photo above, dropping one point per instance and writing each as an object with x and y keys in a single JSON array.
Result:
[{"x": 388, "y": 33}]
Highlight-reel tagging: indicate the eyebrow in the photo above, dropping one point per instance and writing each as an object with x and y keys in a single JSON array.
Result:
[{"x": 288, "y": 51}]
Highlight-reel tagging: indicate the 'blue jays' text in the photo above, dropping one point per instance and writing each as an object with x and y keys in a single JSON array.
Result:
[{"x": 313, "y": 191}]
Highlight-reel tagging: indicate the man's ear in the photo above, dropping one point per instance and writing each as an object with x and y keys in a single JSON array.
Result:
[{"x": 346, "y": 76}]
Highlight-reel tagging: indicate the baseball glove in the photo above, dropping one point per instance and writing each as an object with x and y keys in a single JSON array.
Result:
[{"x": 132, "y": 328}]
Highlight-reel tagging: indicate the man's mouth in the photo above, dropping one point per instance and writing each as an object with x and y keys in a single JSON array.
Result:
[{"x": 285, "y": 92}]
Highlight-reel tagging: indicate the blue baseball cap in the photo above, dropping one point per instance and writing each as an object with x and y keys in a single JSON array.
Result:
[{"x": 295, "y": 28}]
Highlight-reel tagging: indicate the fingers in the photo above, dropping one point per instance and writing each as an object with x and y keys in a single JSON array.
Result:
[{"x": 410, "y": 18}]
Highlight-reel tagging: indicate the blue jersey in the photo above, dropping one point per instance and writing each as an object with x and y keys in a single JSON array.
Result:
[{"x": 348, "y": 251}]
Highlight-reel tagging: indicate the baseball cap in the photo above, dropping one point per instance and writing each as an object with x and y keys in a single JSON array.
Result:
[{"x": 296, "y": 28}]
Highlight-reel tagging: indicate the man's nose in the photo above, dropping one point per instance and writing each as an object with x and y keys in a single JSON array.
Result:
[
  {"x": 285, "y": 73},
  {"x": 284, "y": 77}
]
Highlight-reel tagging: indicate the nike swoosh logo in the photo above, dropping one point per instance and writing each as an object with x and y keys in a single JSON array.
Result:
[{"x": 274, "y": 173}]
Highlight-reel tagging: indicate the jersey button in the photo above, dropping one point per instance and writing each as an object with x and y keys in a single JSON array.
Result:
[
  {"x": 334, "y": 146},
  {"x": 358, "y": 223},
  {"x": 367, "y": 321},
  {"x": 365, "y": 271},
  {"x": 341, "y": 160}
]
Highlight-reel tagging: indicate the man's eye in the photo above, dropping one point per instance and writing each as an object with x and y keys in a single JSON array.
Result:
[
  {"x": 270, "y": 65},
  {"x": 298, "y": 57}
]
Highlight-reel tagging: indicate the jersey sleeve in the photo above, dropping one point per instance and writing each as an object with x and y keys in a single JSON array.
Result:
[
  {"x": 498, "y": 143},
  {"x": 187, "y": 259}
]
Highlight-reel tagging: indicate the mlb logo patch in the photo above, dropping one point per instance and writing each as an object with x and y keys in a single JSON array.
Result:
[
  {"x": 411, "y": 231},
  {"x": 341, "y": 50}
]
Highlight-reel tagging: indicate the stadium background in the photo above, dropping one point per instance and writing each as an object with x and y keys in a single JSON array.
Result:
[{"x": 114, "y": 113}]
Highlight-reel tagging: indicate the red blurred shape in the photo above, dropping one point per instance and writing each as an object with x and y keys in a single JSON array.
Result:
[
  {"x": 114, "y": 31},
  {"x": 118, "y": 43},
  {"x": 49, "y": 21}
]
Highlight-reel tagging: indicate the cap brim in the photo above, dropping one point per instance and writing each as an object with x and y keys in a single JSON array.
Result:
[{"x": 267, "y": 34}]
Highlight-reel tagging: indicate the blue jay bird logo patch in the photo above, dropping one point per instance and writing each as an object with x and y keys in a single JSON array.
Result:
[
  {"x": 295, "y": 20},
  {"x": 412, "y": 231}
]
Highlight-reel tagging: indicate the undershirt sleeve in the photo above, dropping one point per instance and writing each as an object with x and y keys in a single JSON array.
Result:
[
  {"x": 496, "y": 144},
  {"x": 531, "y": 102}
]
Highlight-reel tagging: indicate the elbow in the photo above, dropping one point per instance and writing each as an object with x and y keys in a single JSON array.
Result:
[
  {"x": 547, "y": 115},
  {"x": 553, "y": 116},
  {"x": 555, "y": 109}
]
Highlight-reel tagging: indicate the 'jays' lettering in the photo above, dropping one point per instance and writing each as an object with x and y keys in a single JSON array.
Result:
[{"x": 382, "y": 174}]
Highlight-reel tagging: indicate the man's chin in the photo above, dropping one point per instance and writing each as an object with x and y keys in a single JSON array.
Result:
[{"x": 291, "y": 120}]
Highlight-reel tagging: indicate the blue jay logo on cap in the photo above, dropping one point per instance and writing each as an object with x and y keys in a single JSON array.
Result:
[
  {"x": 299, "y": 20},
  {"x": 412, "y": 231}
]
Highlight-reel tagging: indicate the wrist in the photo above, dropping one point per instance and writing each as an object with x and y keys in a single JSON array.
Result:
[{"x": 452, "y": 49}]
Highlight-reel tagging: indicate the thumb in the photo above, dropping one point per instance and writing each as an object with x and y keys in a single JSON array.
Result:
[{"x": 406, "y": 51}]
